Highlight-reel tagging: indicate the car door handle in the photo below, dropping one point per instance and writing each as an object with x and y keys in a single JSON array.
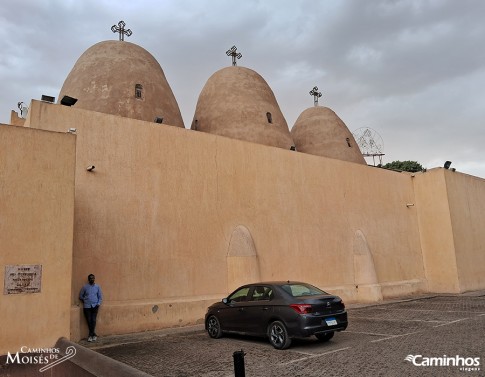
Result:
[
  {"x": 241, "y": 309},
  {"x": 265, "y": 309}
]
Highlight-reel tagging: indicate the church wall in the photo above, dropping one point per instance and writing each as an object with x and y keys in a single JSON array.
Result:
[
  {"x": 304, "y": 212},
  {"x": 436, "y": 232},
  {"x": 451, "y": 207},
  {"x": 466, "y": 195},
  {"x": 15, "y": 120},
  {"x": 153, "y": 221},
  {"x": 36, "y": 228}
]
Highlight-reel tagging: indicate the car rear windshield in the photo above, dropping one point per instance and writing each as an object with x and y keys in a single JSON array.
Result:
[{"x": 297, "y": 290}]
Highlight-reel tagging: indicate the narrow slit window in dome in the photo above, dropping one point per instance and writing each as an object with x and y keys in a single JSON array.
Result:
[
  {"x": 269, "y": 117},
  {"x": 138, "y": 91}
]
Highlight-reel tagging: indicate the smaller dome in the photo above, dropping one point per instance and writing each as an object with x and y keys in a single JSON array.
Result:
[
  {"x": 237, "y": 102},
  {"x": 319, "y": 131}
]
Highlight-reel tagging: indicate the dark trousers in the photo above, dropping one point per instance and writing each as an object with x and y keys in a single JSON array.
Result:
[{"x": 91, "y": 314}]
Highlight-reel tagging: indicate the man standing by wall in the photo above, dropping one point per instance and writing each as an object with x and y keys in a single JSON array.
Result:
[{"x": 91, "y": 296}]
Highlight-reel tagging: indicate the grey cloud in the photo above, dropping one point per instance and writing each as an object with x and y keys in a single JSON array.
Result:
[{"x": 412, "y": 69}]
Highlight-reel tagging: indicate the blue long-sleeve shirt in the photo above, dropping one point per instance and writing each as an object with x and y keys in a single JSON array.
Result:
[{"x": 91, "y": 295}]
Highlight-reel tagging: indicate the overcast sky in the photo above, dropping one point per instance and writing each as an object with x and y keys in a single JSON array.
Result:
[{"x": 412, "y": 71}]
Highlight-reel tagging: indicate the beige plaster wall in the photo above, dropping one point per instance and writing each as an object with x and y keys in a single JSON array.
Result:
[
  {"x": 36, "y": 228},
  {"x": 436, "y": 231},
  {"x": 15, "y": 119},
  {"x": 451, "y": 208},
  {"x": 466, "y": 196},
  {"x": 154, "y": 219}
]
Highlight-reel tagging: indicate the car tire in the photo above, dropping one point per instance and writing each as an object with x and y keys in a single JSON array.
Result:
[
  {"x": 214, "y": 327},
  {"x": 325, "y": 337},
  {"x": 278, "y": 335}
]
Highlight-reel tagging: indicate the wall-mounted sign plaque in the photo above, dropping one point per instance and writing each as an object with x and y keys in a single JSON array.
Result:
[{"x": 22, "y": 278}]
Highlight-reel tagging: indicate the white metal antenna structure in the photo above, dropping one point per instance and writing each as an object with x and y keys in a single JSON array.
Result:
[{"x": 370, "y": 143}]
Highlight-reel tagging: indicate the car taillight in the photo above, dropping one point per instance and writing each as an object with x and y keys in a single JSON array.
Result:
[{"x": 301, "y": 308}]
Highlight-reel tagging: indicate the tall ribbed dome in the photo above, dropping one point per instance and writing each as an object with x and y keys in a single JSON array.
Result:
[
  {"x": 319, "y": 131},
  {"x": 122, "y": 78},
  {"x": 238, "y": 103}
]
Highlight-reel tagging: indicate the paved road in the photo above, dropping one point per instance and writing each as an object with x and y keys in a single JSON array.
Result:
[{"x": 376, "y": 343}]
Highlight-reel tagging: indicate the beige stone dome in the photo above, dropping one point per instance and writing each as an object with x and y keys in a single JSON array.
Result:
[
  {"x": 122, "y": 78},
  {"x": 237, "y": 102},
  {"x": 319, "y": 131}
]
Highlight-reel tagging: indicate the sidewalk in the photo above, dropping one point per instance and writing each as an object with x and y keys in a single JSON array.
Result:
[{"x": 116, "y": 340}]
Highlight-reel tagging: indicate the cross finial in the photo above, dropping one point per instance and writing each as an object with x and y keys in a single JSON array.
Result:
[
  {"x": 21, "y": 107},
  {"x": 233, "y": 52},
  {"x": 316, "y": 95},
  {"x": 121, "y": 30}
]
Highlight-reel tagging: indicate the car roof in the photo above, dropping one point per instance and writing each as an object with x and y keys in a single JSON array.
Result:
[{"x": 282, "y": 282}]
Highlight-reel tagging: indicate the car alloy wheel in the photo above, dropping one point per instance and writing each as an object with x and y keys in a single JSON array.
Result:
[
  {"x": 325, "y": 337},
  {"x": 214, "y": 327},
  {"x": 278, "y": 335}
]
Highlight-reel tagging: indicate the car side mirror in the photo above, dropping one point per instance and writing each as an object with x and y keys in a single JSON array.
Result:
[{"x": 224, "y": 301}]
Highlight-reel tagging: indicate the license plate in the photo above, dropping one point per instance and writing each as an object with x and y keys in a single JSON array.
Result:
[{"x": 331, "y": 321}]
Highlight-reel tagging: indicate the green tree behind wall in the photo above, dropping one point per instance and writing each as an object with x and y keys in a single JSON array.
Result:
[{"x": 410, "y": 166}]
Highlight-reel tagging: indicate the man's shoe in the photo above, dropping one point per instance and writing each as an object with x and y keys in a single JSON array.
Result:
[
  {"x": 94, "y": 338},
  {"x": 90, "y": 339}
]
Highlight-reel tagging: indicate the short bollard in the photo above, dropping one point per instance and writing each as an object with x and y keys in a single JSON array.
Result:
[{"x": 239, "y": 364}]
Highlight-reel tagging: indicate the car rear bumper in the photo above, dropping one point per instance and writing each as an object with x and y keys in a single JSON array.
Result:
[{"x": 310, "y": 325}]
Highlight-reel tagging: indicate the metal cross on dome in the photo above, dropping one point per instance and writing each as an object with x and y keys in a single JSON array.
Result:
[
  {"x": 316, "y": 95},
  {"x": 233, "y": 52},
  {"x": 121, "y": 30}
]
